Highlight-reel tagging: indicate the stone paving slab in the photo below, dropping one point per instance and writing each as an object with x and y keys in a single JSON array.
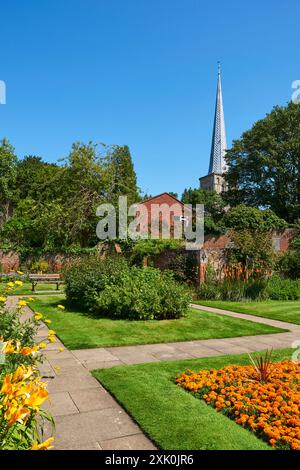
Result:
[
  {"x": 94, "y": 354},
  {"x": 93, "y": 399},
  {"x": 102, "y": 364},
  {"x": 71, "y": 380},
  {"x": 132, "y": 354},
  {"x": 61, "y": 404},
  {"x": 134, "y": 442},
  {"x": 93, "y": 426}
]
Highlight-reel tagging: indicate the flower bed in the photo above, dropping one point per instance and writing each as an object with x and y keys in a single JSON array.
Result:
[
  {"x": 270, "y": 409},
  {"x": 22, "y": 392}
]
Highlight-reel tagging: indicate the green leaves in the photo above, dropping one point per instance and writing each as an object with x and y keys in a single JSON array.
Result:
[
  {"x": 53, "y": 207},
  {"x": 264, "y": 164},
  {"x": 112, "y": 288},
  {"x": 244, "y": 217}
]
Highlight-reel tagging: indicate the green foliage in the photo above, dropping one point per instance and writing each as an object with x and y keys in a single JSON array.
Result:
[
  {"x": 142, "y": 294},
  {"x": 114, "y": 289},
  {"x": 283, "y": 289},
  {"x": 213, "y": 202},
  {"x": 39, "y": 267},
  {"x": 252, "y": 248},
  {"x": 184, "y": 267},
  {"x": 214, "y": 207},
  {"x": 274, "y": 288},
  {"x": 151, "y": 248},
  {"x": 264, "y": 164},
  {"x": 289, "y": 265},
  {"x": 87, "y": 276},
  {"x": 8, "y": 173},
  {"x": 13, "y": 327},
  {"x": 234, "y": 290},
  {"x": 50, "y": 207},
  {"x": 249, "y": 218},
  {"x": 120, "y": 175}
]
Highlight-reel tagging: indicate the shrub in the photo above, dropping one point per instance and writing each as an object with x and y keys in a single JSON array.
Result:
[
  {"x": 86, "y": 277},
  {"x": 184, "y": 268},
  {"x": 273, "y": 288},
  {"x": 289, "y": 264},
  {"x": 283, "y": 289},
  {"x": 39, "y": 267},
  {"x": 209, "y": 291},
  {"x": 114, "y": 289}
]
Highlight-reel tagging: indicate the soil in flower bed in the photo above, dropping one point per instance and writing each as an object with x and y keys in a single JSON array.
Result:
[{"x": 270, "y": 409}]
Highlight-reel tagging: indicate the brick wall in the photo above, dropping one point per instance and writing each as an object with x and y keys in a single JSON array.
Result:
[{"x": 214, "y": 247}]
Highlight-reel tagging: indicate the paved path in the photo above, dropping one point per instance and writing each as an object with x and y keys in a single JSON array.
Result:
[{"x": 86, "y": 415}]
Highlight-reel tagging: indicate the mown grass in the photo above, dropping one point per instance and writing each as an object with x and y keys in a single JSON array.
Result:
[
  {"x": 78, "y": 330},
  {"x": 172, "y": 417},
  {"x": 288, "y": 311},
  {"x": 26, "y": 289}
]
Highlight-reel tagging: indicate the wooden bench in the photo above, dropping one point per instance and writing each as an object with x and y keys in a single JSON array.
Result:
[{"x": 45, "y": 278}]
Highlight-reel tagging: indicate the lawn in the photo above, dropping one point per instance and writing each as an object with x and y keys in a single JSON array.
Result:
[
  {"x": 25, "y": 289},
  {"x": 288, "y": 311},
  {"x": 172, "y": 417},
  {"x": 77, "y": 330}
]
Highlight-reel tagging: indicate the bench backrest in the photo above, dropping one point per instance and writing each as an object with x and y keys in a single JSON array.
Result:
[{"x": 44, "y": 277}]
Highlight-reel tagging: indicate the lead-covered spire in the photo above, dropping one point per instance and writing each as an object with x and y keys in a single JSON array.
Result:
[{"x": 218, "y": 147}]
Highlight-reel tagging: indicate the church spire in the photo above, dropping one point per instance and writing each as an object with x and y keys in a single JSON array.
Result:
[{"x": 217, "y": 162}]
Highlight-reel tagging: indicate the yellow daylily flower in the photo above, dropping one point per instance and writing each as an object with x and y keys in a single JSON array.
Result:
[
  {"x": 10, "y": 284},
  {"x": 22, "y": 303},
  {"x": 44, "y": 445},
  {"x": 61, "y": 307},
  {"x": 60, "y": 349},
  {"x": 3, "y": 299},
  {"x": 48, "y": 321},
  {"x": 42, "y": 345},
  {"x": 51, "y": 332},
  {"x": 52, "y": 339},
  {"x": 27, "y": 351},
  {"x": 20, "y": 273},
  {"x": 18, "y": 283}
]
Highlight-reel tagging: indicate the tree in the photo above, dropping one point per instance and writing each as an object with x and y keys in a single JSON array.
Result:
[
  {"x": 214, "y": 206},
  {"x": 264, "y": 165},
  {"x": 213, "y": 203},
  {"x": 245, "y": 217},
  {"x": 37, "y": 179},
  {"x": 8, "y": 173},
  {"x": 53, "y": 207},
  {"x": 121, "y": 177}
]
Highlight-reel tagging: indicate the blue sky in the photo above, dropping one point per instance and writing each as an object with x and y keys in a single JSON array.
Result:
[{"x": 143, "y": 73}]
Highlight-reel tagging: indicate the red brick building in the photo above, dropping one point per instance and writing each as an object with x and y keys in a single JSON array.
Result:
[{"x": 162, "y": 214}]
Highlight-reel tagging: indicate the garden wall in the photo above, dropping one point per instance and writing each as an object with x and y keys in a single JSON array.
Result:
[
  {"x": 213, "y": 251},
  {"x": 11, "y": 261}
]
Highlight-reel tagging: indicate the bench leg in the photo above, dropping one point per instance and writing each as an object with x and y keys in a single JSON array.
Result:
[
  {"x": 33, "y": 287},
  {"x": 57, "y": 286}
]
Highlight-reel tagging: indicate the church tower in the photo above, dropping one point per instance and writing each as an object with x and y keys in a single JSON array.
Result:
[{"x": 214, "y": 180}]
